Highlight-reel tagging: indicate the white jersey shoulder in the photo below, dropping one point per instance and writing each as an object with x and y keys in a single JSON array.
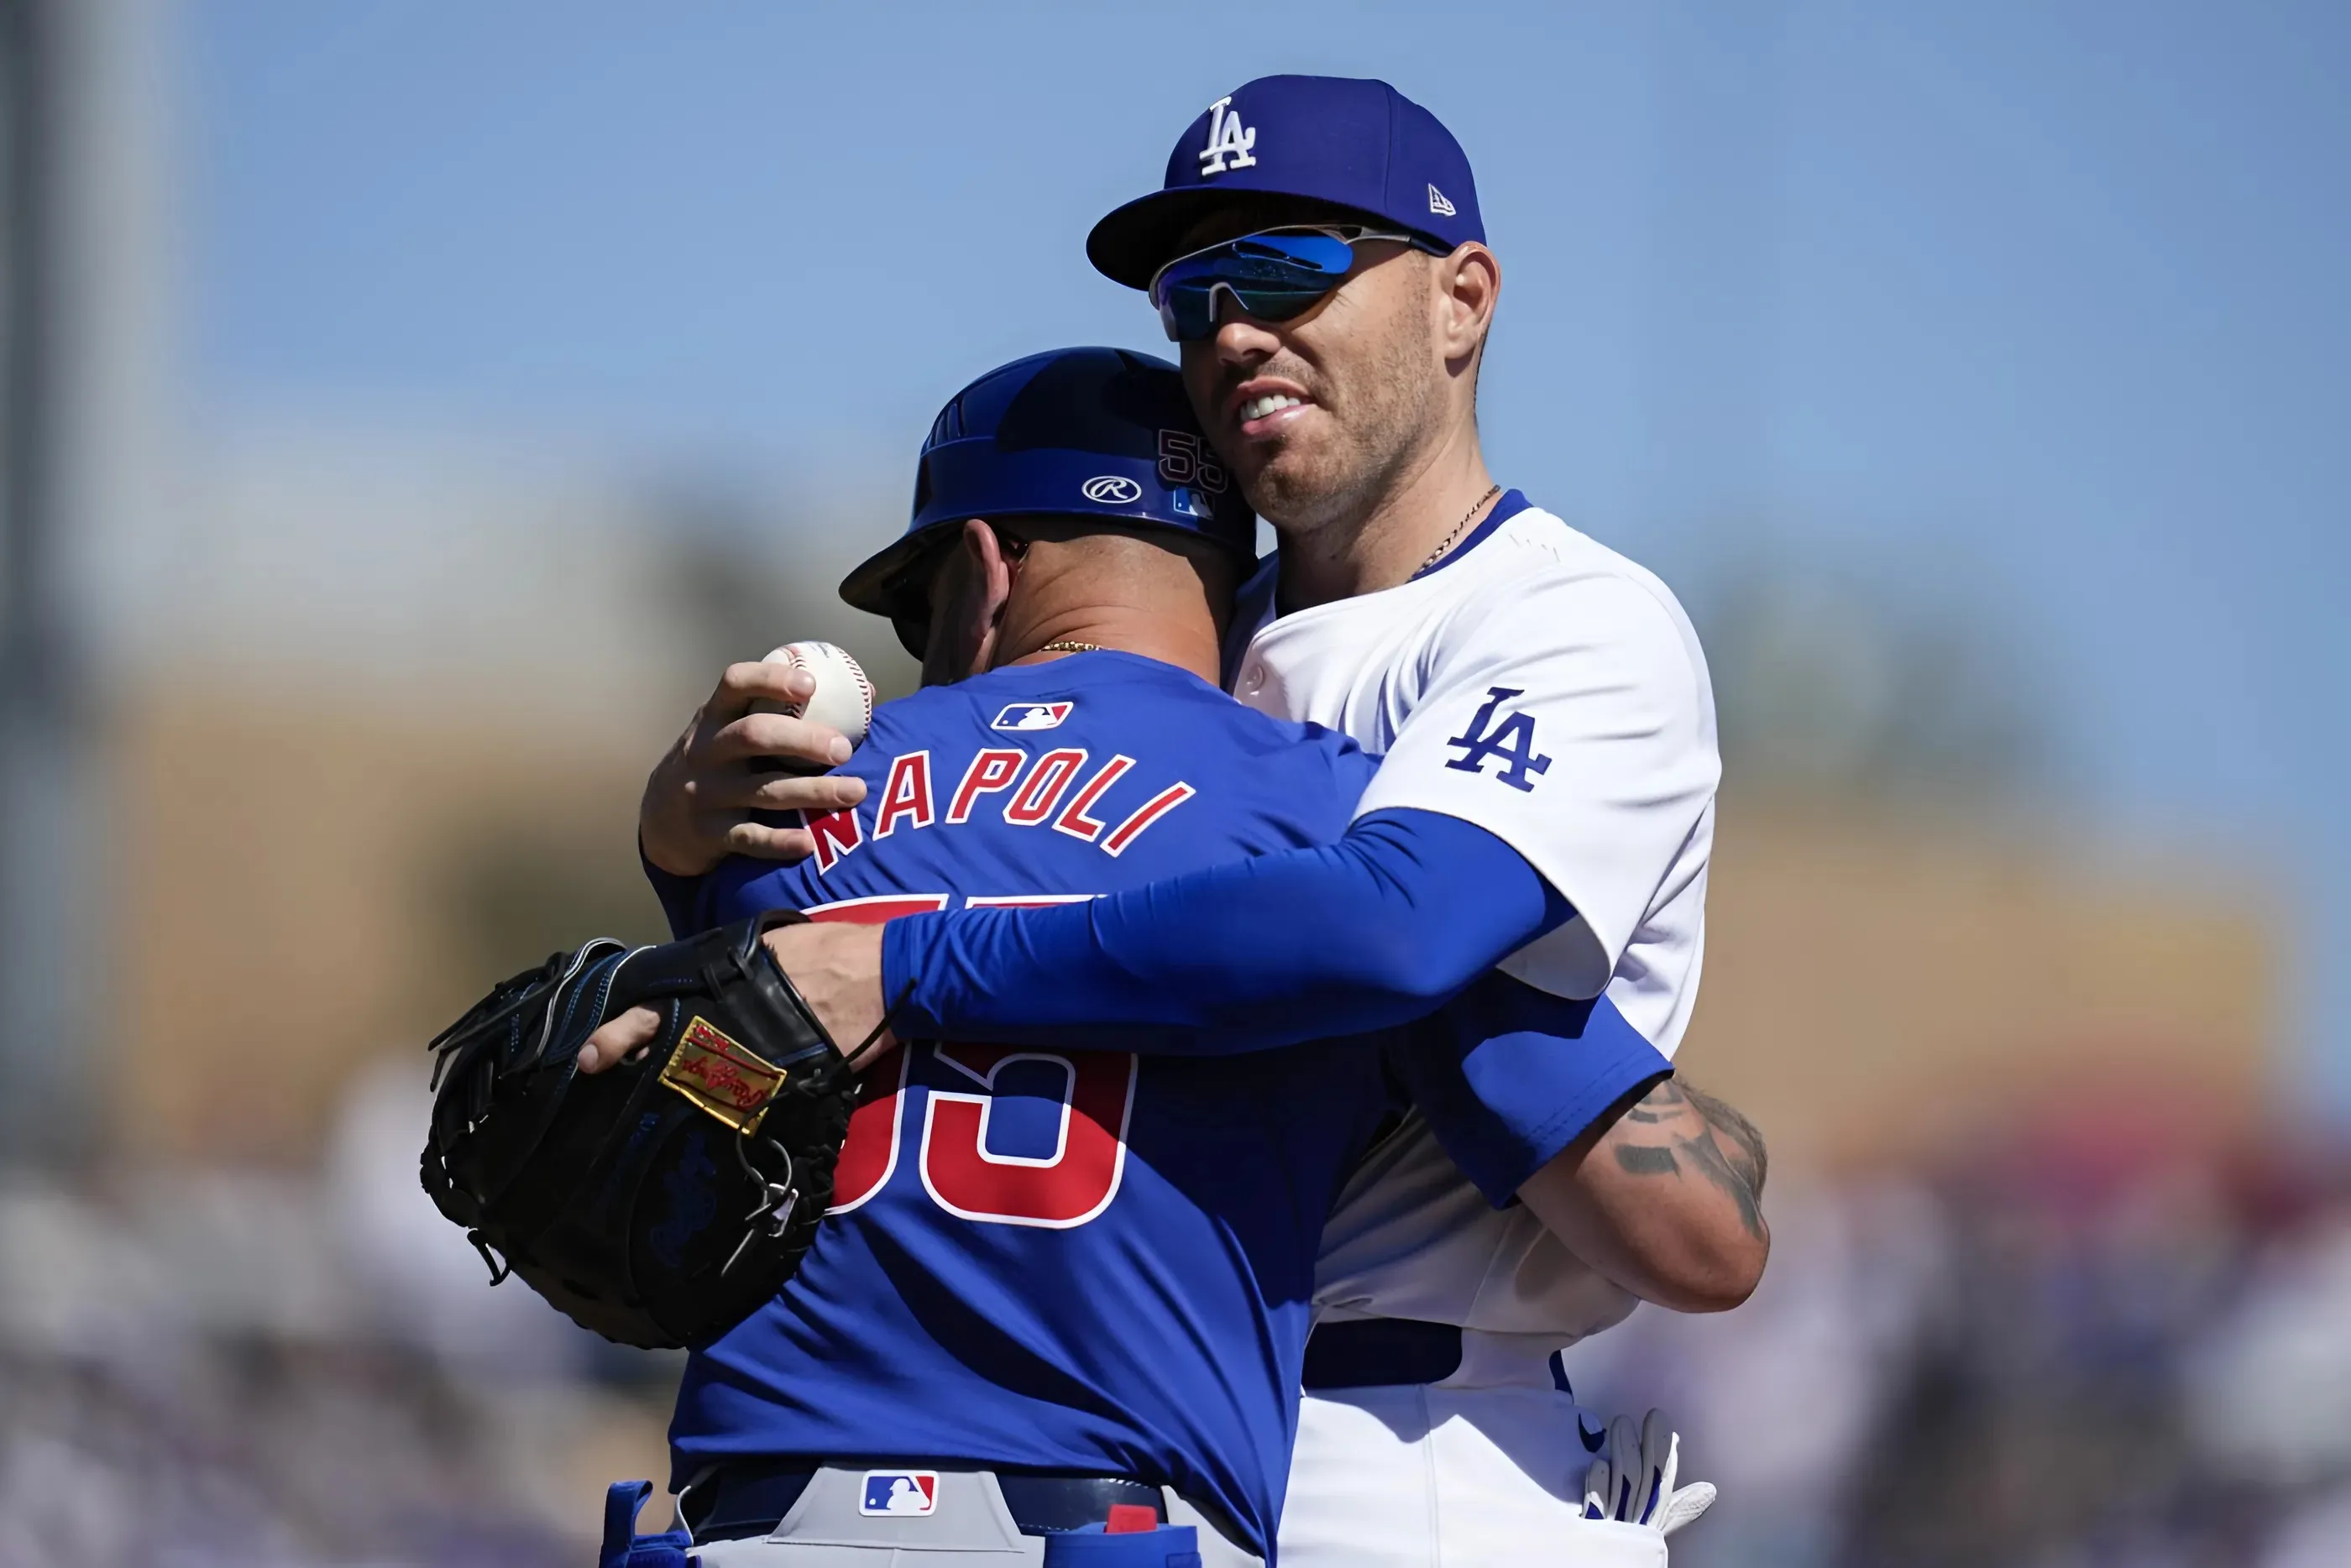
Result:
[{"x": 1551, "y": 692}]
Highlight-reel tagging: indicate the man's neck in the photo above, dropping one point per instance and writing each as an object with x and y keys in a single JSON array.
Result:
[
  {"x": 1187, "y": 642},
  {"x": 1431, "y": 508}
]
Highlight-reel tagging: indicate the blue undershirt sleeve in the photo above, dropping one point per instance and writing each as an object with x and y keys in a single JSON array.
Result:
[
  {"x": 682, "y": 898},
  {"x": 1381, "y": 926},
  {"x": 1488, "y": 1072}
]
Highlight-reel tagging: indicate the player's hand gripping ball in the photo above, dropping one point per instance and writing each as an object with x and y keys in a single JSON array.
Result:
[
  {"x": 661, "y": 1201},
  {"x": 843, "y": 698}
]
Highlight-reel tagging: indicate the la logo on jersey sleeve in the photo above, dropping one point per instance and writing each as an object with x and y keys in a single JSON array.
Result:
[{"x": 1510, "y": 742}]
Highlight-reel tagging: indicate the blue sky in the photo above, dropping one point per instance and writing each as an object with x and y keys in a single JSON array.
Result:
[{"x": 2044, "y": 300}]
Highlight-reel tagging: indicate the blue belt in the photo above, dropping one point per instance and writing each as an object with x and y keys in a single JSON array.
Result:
[{"x": 1379, "y": 1350}]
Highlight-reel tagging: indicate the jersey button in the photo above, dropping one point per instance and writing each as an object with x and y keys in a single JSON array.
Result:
[{"x": 1253, "y": 681}]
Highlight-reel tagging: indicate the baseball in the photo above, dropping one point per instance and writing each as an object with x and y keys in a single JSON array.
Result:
[{"x": 843, "y": 698}]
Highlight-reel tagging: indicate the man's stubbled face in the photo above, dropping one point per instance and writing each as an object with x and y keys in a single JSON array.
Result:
[{"x": 1318, "y": 415}]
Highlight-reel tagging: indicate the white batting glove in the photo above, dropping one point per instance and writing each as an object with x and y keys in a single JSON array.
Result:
[{"x": 1632, "y": 1481}]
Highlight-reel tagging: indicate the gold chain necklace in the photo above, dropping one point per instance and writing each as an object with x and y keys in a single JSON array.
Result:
[
  {"x": 1068, "y": 646},
  {"x": 1438, "y": 553}
]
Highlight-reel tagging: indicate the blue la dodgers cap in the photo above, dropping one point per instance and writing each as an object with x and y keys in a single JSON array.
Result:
[{"x": 1355, "y": 143}]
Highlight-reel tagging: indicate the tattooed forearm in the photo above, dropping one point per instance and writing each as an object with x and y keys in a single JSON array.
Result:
[
  {"x": 1707, "y": 1155},
  {"x": 1641, "y": 1160},
  {"x": 1655, "y": 1198},
  {"x": 1752, "y": 1160},
  {"x": 1689, "y": 1120},
  {"x": 1662, "y": 1104}
]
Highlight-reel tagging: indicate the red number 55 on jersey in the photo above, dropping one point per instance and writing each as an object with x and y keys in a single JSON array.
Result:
[{"x": 1069, "y": 1186}]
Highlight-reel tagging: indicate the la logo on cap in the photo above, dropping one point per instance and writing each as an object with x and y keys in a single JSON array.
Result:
[{"x": 1229, "y": 140}]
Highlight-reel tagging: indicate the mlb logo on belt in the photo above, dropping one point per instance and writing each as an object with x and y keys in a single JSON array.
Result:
[
  {"x": 900, "y": 1493},
  {"x": 1032, "y": 716}
]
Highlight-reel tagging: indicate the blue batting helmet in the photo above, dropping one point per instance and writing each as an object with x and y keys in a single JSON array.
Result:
[{"x": 1100, "y": 433}]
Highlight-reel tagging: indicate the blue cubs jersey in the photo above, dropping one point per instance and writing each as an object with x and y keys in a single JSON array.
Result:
[{"x": 1078, "y": 1261}]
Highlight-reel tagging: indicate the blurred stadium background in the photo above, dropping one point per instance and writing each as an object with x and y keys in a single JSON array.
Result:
[{"x": 408, "y": 408}]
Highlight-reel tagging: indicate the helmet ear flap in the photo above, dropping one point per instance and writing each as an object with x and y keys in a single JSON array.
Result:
[
  {"x": 913, "y": 635},
  {"x": 908, "y": 592},
  {"x": 922, "y": 485}
]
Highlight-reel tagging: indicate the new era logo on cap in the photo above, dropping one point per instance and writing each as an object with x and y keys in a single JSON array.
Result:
[
  {"x": 1439, "y": 204},
  {"x": 906, "y": 1494},
  {"x": 1032, "y": 716}
]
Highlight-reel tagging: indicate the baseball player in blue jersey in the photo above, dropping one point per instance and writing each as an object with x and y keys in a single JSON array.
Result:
[
  {"x": 1069, "y": 1287},
  {"x": 1544, "y": 802}
]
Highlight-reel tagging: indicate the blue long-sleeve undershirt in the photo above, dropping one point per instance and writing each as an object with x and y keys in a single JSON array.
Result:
[{"x": 1406, "y": 909}]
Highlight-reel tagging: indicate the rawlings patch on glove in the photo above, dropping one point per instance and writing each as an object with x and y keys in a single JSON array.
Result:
[{"x": 661, "y": 1201}]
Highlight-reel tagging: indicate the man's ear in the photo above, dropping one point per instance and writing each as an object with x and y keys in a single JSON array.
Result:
[
  {"x": 992, "y": 570},
  {"x": 1469, "y": 283},
  {"x": 976, "y": 587}
]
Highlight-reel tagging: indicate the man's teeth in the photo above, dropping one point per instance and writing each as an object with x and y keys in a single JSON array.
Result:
[{"x": 1258, "y": 408}]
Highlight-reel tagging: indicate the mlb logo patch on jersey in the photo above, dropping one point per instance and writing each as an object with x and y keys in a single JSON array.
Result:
[
  {"x": 906, "y": 1494},
  {"x": 1032, "y": 716}
]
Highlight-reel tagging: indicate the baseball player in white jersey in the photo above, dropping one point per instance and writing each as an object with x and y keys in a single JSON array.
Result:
[
  {"x": 1598, "y": 650},
  {"x": 1544, "y": 804},
  {"x": 1472, "y": 640}
]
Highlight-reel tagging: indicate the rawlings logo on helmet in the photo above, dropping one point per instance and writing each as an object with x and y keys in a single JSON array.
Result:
[{"x": 1112, "y": 490}]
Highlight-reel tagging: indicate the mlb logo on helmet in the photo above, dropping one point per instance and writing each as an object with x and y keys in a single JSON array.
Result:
[
  {"x": 1032, "y": 716},
  {"x": 903, "y": 1494}
]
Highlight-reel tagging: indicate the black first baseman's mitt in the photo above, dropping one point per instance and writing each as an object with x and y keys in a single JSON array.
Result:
[{"x": 663, "y": 1200}]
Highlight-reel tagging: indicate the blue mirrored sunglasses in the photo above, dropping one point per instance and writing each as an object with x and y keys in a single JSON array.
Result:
[{"x": 1272, "y": 276}]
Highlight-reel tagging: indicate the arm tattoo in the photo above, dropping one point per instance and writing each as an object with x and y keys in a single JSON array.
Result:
[
  {"x": 1662, "y": 1104},
  {"x": 1707, "y": 1155},
  {"x": 1739, "y": 1175},
  {"x": 1752, "y": 1161},
  {"x": 1642, "y": 1160}
]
